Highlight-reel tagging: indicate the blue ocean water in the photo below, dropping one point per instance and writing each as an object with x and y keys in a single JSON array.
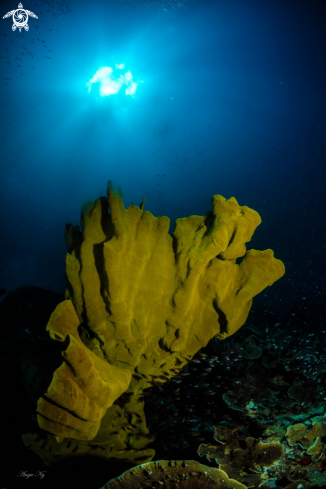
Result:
[
  {"x": 230, "y": 100},
  {"x": 174, "y": 100}
]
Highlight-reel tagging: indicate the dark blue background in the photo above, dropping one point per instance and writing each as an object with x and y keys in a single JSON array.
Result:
[{"x": 232, "y": 102}]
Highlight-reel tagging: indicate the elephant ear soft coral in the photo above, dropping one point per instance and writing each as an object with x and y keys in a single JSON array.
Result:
[
  {"x": 82, "y": 388},
  {"x": 146, "y": 302}
]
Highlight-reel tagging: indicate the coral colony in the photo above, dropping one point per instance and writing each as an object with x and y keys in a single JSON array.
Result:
[{"x": 151, "y": 315}]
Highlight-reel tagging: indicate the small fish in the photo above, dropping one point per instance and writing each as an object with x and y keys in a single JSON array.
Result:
[{"x": 48, "y": 57}]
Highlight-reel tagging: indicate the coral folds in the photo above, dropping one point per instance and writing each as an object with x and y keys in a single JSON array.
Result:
[{"x": 139, "y": 304}]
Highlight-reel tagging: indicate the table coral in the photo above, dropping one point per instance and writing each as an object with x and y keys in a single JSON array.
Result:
[
  {"x": 140, "y": 303},
  {"x": 221, "y": 390},
  {"x": 174, "y": 474},
  {"x": 245, "y": 465}
]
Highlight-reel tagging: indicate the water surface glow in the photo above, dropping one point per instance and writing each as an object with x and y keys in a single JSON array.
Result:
[{"x": 111, "y": 81}]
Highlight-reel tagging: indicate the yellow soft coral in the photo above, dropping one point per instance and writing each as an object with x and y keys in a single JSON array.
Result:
[
  {"x": 150, "y": 302},
  {"x": 84, "y": 384}
]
